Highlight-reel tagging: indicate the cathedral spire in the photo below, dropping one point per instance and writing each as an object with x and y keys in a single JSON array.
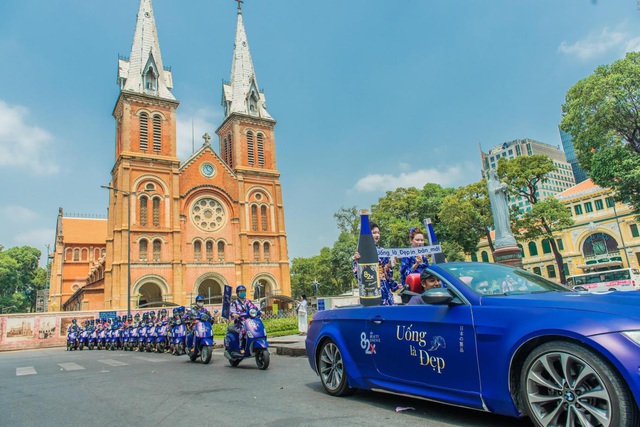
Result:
[
  {"x": 143, "y": 72},
  {"x": 242, "y": 94}
]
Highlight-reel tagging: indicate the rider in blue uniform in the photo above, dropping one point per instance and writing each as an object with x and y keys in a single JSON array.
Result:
[{"x": 239, "y": 307}]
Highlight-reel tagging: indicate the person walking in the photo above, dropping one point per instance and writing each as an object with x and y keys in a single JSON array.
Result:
[{"x": 302, "y": 315}]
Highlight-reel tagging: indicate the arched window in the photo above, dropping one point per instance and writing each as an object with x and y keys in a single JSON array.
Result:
[
  {"x": 546, "y": 247},
  {"x": 263, "y": 217},
  {"x": 521, "y": 250},
  {"x": 209, "y": 249},
  {"x": 260, "y": 150},
  {"x": 144, "y": 131},
  {"x": 197, "y": 250},
  {"x": 474, "y": 257},
  {"x": 230, "y": 151},
  {"x": 256, "y": 251},
  {"x": 551, "y": 271},
  {"x": 536, "y": 270},
  {"x": 84, "y": 254},
  {"x": 221, "y": 251},
  {"x": 143, "y": 249},
  {"x": 157, "y": 133},
  {"x": 143, "y": 210},
  {"x": 533, "y": 249},
  {"x": 96, "y": 254},
  {"x": 68, "y": 254},
  {"x": 485, "y": 256},
  {"x": 156, "y": 211},
  {"x": 267, "y": 251},
  {"x": 254, "y": 218},
  {"x": 250, "y": 156},
  {"x": 76, "y": 254},
  {"x": 150, "y": 80},
  {"x": 157, "y": 249}
]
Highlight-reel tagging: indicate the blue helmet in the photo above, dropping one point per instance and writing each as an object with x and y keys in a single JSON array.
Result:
[
  {"x": 199, "y": 298},
  {"x": 240, "y": 289}
]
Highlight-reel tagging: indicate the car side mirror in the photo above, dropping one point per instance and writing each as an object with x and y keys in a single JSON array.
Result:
[
  {"x": 580, "y": 288},
  {"x": 437, "y": 296}
]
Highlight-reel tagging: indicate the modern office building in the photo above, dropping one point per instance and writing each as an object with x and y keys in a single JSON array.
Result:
[{"x": 567, "y": 144}]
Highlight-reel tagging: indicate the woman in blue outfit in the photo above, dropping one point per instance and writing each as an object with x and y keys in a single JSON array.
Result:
[
  {"x": 413, "y": 264},
  {"x": 385, "y": 270}
]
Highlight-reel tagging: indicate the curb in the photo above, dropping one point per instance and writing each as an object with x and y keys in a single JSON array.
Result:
[{"x": 290, "y": 351}]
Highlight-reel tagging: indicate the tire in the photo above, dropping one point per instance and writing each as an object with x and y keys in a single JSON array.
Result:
[
  {"x": 181, "y": 350},
  {"x": 193, "y": 357},
  {"x": 160, "y": 347},
  {"x": 90, "y": 346},
  {"x": 234, "y": 362},
  {"x": 333, "y": 373},
  {"x": 563, "y": 383},
  {"x": 262, "y": 359},
  {"x": 68, "y": 345},
  {"x": 205, "y": 354}
]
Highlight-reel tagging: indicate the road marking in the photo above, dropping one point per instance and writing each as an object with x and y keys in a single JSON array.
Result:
[
  {"x": 150, "y": 359},
  {"x": 112, "y": 362},
  {"x": 27, "y": 370},
  {"x": 70, "y": 366}
]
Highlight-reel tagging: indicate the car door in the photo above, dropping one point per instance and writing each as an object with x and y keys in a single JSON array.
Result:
[{"x": 428, "y": 350}]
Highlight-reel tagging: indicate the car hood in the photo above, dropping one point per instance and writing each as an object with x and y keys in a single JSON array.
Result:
[{"x": 625, "y": 304}]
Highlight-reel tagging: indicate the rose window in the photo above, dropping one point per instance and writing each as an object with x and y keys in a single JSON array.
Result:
[{"x": 208, "y": 214}]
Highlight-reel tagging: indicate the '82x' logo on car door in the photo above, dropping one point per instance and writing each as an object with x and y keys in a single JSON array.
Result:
[{"x": 367, "y": 344}]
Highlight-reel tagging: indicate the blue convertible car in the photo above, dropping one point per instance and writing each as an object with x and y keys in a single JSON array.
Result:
[{"x": 496, "y": 339}]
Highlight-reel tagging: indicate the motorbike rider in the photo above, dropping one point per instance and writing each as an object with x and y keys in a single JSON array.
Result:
[
  {"x": 73, "y": 327},
  {"x": 191, "y": 316},
  {"x": 238, "y": 308}
]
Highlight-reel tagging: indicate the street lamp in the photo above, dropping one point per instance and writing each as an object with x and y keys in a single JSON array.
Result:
[
  {"x": 126, "y": 193},
  {"x": 256, "y": 290}
]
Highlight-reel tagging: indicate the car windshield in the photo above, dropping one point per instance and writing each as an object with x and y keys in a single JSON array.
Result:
[{"x": 498, "y": 279}]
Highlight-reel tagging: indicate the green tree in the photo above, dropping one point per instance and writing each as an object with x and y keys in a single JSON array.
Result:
[
  {"x": 20, "y": 278},
  {"x": 602, "y": 114},
  {"x": 348, "y": 220},
  {"x": 524, "y": 175}
]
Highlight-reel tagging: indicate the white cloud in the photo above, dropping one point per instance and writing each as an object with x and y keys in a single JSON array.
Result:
[
  {"x": 23, "y": 144},
  {"x": 447, "y": 176},
  {"x": 192, "y": 126},
  {"x": 18, "y": 213},
  {"x": 37, "y": 238},
  {"x": 632, "y": 45},
  {"x": 596, "y": 44}
]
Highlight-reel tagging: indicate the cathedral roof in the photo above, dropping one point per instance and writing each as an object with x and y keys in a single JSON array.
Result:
[
  {"x": 584, "y": 188},
  {"x": 143, "y": 72},
  {"x": 242, "y": 94},
  {"x": 84, "y": 230}
]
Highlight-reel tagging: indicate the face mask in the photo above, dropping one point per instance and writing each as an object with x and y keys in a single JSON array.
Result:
[
  {"x": 242, "y": 295},
  {"x": 199, "y": 303}
]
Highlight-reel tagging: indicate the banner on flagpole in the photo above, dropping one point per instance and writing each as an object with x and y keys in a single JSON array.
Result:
[{"x": 406, "y": 252}]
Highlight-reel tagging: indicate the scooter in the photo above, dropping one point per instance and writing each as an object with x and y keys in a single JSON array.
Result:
[
  {"x": 161, "y": 337},
  {"x": 133, "y": 338},
  {"x": 142, "y": 336},
  {"x": 93, "y": 339},
  {"x": 255, "y": 345},
  {"x": 200, "y": 340},
  {"x": 150, "y": 340},
  {"x": 178, "y": 335},
  {"x": 102, "y": 339},
  {"x": 72, "y": 340},
  {"x": 83, "y": 340},
  {"x": 126, "y": 338}
]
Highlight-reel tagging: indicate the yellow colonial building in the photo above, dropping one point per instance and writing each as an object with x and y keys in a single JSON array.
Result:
[{"x": 605, "y": 236}]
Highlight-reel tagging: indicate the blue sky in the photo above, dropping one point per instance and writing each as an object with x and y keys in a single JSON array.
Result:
[{"x": 369, "y": 95}]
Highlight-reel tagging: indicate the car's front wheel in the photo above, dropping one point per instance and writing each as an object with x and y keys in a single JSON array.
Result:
[
  {"x": 565, "y": 384},
  {"x": 333, "y": 373}
]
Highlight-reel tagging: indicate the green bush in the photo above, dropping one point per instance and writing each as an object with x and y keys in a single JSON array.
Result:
[{"x": 274, "y": 327}]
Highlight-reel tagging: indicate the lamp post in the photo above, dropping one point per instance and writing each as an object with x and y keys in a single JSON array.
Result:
[
  {"x": 624, "y": 247},
  {"x": 128, "y": 194}
]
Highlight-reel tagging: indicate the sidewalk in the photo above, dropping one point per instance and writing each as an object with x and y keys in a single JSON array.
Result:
[{"x": 288, "y": 345}]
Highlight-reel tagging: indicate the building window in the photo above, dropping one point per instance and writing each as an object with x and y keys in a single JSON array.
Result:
[
  {"x": 157, "y": 133},
  {"x": 536, "y": 270},
  {"x": 143, "y": 210},
  {"x": 610, "y": 202},
  {"x": 197, "y": 251},
  {"x": 546, "y": 246},
  {"x": 485, "y": 256},
  {"x": 578, "y": 209},
  {"x": 221, "y": 251},
  {"x": 560, "y": 244},
  {"x": 263, "y": 217},
  {"x": 521, "y": 250},
  {"x": 254, "y": 218},
  {"x": 638, "y": 257},
  {"x": 267, "y": 250},
  {"x": 588, "y": 207},
  {"x": 551, "y": 271},
  {"x": 157, "y": 249},
  {"x": 209, "y": 250},
  {"x": 260, "y": 150},
  {"x": 474, "y": 257},
  {"x": 599, "y": 204},
  {"x": 256, "y": 251},
  {"x": 144, "y": 131},
  {"x": 565, "y": 269},
  {"x": 156, "y": 211},
  {"x": 634, "y": 230},
  {"x": 230, "y": 151},
  {"x": 143, "y": 249},
  {"x": 250, "y": 156},
  {"x": 533, "y": 249},
  {"x": 76, "y": 254}
]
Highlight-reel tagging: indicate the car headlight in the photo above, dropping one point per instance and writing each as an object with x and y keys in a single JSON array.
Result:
[{"x": 633, "y": 336}]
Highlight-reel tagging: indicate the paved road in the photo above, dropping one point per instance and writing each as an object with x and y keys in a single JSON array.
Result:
[{"x": 54, "y": 387}]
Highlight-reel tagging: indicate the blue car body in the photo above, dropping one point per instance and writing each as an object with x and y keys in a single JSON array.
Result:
[{"x": 470, "y": 351}]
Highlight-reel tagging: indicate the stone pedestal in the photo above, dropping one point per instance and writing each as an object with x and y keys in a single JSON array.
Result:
[{"x": 509, "y": 255}]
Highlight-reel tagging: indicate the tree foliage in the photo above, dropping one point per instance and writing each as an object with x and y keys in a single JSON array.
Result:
[
  {"x": 602, "y": 114},
  {"x": 20, "y": 278}
]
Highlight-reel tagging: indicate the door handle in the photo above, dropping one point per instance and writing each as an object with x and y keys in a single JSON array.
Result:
[{"x": 377, "y": 320}]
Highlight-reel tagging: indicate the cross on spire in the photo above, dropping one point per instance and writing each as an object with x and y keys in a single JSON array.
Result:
[
  {"x": 206, "y": 138},
  {"x": 239, "y": 4}
]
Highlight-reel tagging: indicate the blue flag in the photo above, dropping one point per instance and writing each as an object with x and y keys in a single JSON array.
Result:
[{"x": 226, "y": 301}]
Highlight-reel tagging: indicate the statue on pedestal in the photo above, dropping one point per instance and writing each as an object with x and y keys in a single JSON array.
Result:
[{"x": 500, "y": 211}]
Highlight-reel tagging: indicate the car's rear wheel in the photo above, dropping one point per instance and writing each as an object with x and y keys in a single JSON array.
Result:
[
  {"x": 565, "y": 384},
  {"x": 333, "y": 373}
]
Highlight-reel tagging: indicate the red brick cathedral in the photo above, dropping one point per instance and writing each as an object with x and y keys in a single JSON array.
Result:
[{"x": 178, "y": 229}]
